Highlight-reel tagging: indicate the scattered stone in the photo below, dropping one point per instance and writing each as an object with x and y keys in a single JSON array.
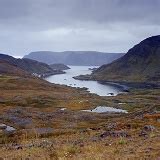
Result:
[
  {"x": 146, "y": 129},
  {"x": 149, "y": 128},
  {"x": 119, "y": 134},
  {"x": 2, "y": 100},
  {"x": 79, "y": 143},
  {"x": 108, "y": 144},
  {"x": 114, "y": 134},
  {"x": 112, "y": 126},
  {"x": 14, "y": 146},
  {"x": 95, "y": 129},
  {"x": 6, "y": 129},
  {"x": 38, "y": 144},
  {"x": 30, "y": 145},
  {"x": 10, "y": 129},
  {"x": 3, "y": 126},
  {"x": 62, "y": 109},
  {"x": 129, "y": 126},
  {"x": 47, "y": 143},
  {"x": 105, "y": 134},
  {"x": 143, "y": 133},
  {"x": 17, "y": 147},
  {"x": 95, "y": 139},
  {"x": 1, "y": 131}
]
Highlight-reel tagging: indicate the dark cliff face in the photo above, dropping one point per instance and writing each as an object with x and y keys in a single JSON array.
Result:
[
  {"x": 141, "y": 63},
  {"x": 88, "y": 58}
]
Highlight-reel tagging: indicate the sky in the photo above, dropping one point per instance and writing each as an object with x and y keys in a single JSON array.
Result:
[{"x": 60, "y": 25}]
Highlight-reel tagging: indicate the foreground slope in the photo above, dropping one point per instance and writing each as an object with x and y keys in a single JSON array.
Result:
[
  {"x": 44, "y": 130},
  {"x": 141, "y": 63}
]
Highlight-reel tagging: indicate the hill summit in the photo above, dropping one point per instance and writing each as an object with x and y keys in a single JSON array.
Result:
[{"x": 141, "y": 63}]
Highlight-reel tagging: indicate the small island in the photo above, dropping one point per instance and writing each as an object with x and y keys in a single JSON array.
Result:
[{"x": 59, "y": 66}]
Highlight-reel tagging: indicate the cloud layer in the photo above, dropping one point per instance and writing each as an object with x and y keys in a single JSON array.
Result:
[{"x": 58, "y": 25}]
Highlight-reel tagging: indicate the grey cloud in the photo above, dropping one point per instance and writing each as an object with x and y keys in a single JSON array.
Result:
[
  {"x": 104, "y": 25},
  {"x": 57, "y": 13}
]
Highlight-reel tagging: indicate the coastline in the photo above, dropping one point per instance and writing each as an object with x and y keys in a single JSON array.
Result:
[
  {"x": 125, "y": 86},
  {"x": 45, "y": 75},
  {"x": 132, "y": 85}
]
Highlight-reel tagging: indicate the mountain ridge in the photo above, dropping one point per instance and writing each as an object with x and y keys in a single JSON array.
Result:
[
  {"x": 91, "y": 58},
  {"x": 141, "y": 63}
]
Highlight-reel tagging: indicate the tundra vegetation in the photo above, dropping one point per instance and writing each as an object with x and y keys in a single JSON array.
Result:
[{"x": 43, "y": 131}]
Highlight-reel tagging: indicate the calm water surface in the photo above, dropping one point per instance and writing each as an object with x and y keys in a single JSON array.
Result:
[
  {"x": 93, "y": 86},
  {"x": 103, "y": 109}
]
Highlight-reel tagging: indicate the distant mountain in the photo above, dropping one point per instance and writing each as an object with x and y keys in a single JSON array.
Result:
[
  {"x": 59, "y": 66},
  {"x": 26, "y": 65},
  {"x": 141, "y": 63},
  {"x": 82, "y": 58}
]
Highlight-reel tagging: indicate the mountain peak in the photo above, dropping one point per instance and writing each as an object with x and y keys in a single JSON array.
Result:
[
  {"x": 144, "y": 47},
  {"x": 141, "y": 63},
  {"x": 152, "y": 41}
]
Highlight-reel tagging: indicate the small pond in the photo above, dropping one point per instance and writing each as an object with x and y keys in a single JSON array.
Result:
[{"x": 103, "y": 109}]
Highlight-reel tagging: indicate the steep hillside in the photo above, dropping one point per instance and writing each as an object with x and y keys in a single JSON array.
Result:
[
  {"x": 89, "y": 58},
  {"x": 28, "y": 65},
  {"x": 141, "y": 63},
  {"x": 8, "y": 69}
]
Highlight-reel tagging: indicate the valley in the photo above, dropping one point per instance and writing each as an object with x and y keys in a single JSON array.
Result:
[
  {"x": 43, "y": 120},
  {"x": 79, "y": 80},
  {"x": 91, "y": 86}
]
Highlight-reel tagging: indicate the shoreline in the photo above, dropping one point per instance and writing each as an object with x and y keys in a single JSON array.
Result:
[
  {"x": 132, "y": 85},
  {"x": 125, "y": 86},
  {"x": 45, "y": 75}
]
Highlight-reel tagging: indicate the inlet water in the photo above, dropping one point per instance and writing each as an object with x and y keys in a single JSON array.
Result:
[{"x": 93, "y": 86}]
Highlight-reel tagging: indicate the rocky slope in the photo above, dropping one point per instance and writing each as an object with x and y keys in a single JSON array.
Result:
[
  {"x": 89, "y": 58},
  {"x": 141, "y": 63}
]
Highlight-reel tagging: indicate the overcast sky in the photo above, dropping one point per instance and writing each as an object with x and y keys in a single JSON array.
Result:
[{"x": 59, "y": 25}]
